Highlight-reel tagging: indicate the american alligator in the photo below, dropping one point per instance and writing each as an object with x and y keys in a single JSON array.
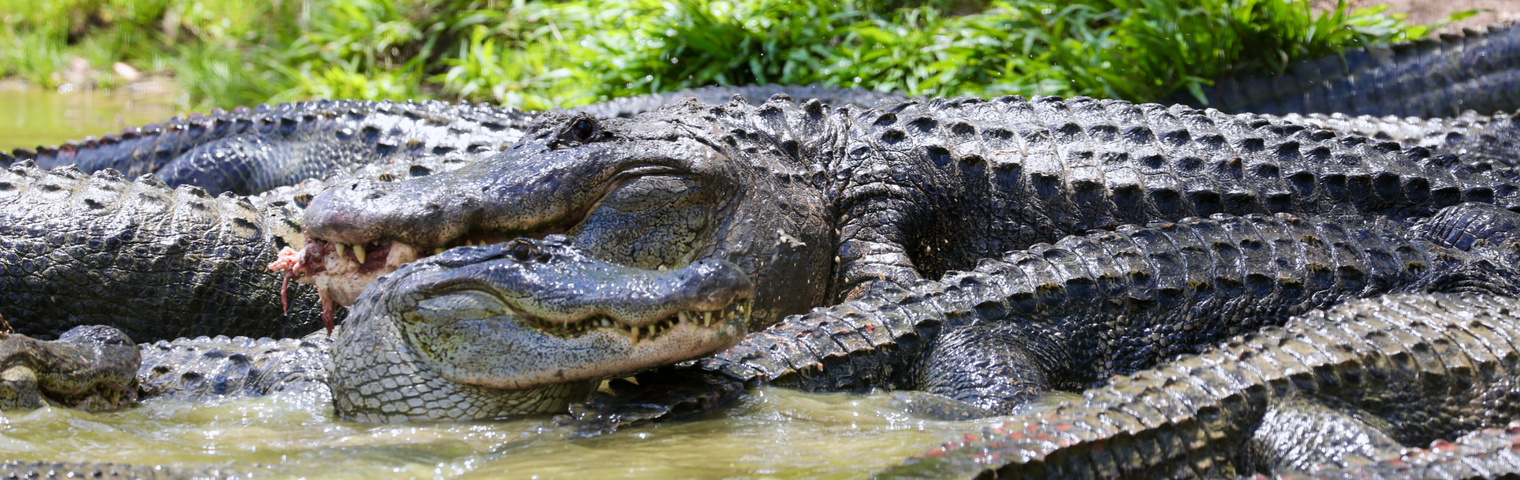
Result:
[
  {"x": 1425, "y": 78},
  {"x": 1338, "y": 389},
  {"x": 1069, "y": 315},
  {"x": 247, "y": 151}
]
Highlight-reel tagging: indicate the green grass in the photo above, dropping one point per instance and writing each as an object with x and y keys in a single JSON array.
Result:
[{"x": 542, "y": 55}]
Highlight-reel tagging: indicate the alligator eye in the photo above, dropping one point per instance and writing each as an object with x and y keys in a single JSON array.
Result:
[
  {"x": 453, "y": 307},
  {"x": 522, "y": 250},
  {"x": 582, "y": 129}
]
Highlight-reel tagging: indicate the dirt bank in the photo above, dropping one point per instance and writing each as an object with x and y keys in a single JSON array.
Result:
[{"x": 1426, "y": 11}]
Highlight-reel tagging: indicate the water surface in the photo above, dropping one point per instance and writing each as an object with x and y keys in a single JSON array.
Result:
[
  {"x": 31, "y": 116},
  {"x": 769, "y": 433}
]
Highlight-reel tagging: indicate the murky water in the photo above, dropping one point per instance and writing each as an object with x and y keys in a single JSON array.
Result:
[
  {"x": 34, "y": 116},
  {"x": 770, "y": 433}
]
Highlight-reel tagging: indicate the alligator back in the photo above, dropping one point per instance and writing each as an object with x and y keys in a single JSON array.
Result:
[
  {"x": 78, "y": 249},
  {"x": 248, "y": 151},
  {"x": 834, "y": 96},
  {"x": 924, "y": 188},
  {"x": 1439, "y": 77}
]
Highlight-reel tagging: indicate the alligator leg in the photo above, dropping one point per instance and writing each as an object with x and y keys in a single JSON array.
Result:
[
  {"x": 90, "y": 368},
  {"x": 1298, "y": 433}
]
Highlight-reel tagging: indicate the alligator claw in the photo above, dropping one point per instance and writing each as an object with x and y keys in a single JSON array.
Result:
[{"x": 659, "y": 395}]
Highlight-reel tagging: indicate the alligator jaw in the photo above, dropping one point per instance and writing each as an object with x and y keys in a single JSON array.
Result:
[
  {"x": 561, "y": 315},
  {"x": 340, "y": 272}
]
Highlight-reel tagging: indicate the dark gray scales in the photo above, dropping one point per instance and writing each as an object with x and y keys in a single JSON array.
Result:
[{"x": 1438, "y": 77}]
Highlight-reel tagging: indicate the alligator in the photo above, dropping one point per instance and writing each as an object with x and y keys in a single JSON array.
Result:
[
  {"x": 78, "y": 249},
  {"x": 1439, "y": 77},
  {"x": 1336, "y": 392},
  {"x": 252, "y": 150},
  {"x": 425, "y": 345}
]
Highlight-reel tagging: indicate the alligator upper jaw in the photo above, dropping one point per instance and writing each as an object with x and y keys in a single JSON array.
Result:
[{"x": 340, "y": 272}]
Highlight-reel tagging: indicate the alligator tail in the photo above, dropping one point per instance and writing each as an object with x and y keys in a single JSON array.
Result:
[
  {"x": 179, "y": 262},
  {"x": 1438, "y": 77}
]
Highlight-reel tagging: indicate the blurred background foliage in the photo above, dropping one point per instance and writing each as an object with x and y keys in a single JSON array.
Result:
[{"x": 537, "y": 55}]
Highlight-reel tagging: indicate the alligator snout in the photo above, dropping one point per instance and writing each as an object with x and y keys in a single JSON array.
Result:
[
  {"x": 361, "y": 211},
  {"x": 530, "y": 313}
]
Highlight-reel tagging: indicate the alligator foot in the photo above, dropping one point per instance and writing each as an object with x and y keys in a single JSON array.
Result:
[
  {"x": 658, "y": 395},
  {"x": 89, "y": 368}
]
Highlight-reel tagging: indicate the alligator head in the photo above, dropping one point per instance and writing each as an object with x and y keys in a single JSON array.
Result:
[
  {"x": 663, "y": 190},
  {"x": 442, "y": 326}
]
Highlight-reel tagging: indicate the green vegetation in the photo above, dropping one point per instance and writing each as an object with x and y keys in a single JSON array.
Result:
[{"x": 552, "y": 54}]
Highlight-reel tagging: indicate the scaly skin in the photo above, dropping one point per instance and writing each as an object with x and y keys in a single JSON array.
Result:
[
  {"x": 835, "y": 96},
  {"x": 1477, "y": 143},
  {"x": 428, "y": 342},
  {"x": 248, "y": 151},
  {"x": 428, "y": 345},
  {"x": 1119, "y": 301},
  {"x": 1425, "y": 78},
  {"x": 1411, "y": 368},
  {"x": 1069, "y": 315},
  {"x": 898, "y": 195},
  {"x": 79, "y": 249},
  {"x": 763, "y": 186}
]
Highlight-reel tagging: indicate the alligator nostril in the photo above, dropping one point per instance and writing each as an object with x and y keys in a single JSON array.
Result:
[{"x": 373, "y": 195}]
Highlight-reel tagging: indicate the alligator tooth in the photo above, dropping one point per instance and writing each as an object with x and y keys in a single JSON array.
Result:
[
  {"x": 359, "y": 252},
  {"x": 437, "y": 250},
  {"x": 635, "y": 331},
  {"x": 683, "y": 317},
  {"x": 342, "y": 249},
  {"x": 706, "y": 318},
  {"x": 652, "y": 331}
]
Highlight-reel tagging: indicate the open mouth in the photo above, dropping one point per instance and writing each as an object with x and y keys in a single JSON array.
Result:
[
  {"x": 738, "y": 309},
  {"x": 341, "y": 271}
]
